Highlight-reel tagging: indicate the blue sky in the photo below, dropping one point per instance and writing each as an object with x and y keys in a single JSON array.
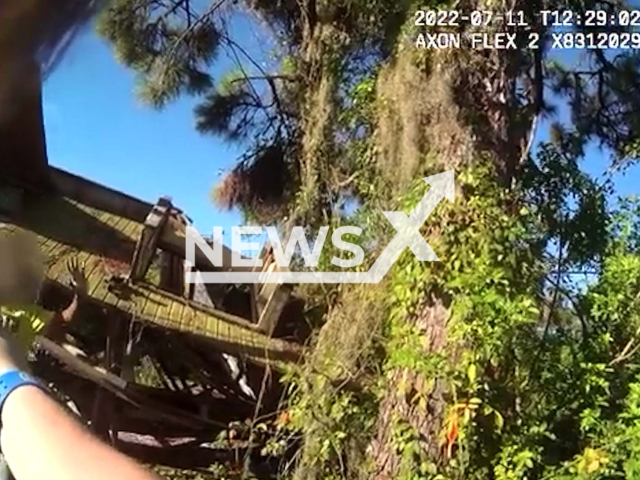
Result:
[
  {"x": 98, "y": 129},
  {"x": 597, "y": 160}
]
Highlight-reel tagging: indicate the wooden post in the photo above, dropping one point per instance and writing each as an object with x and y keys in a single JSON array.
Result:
[
  {"x": 148, "y": 242},
  {"x": 172, "y": 273},
  {"x": 269, "y": 299}
]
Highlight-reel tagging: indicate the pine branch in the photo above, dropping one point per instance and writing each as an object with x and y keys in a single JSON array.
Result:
[
  {"x": 187, "y": 9},
  {"x": 204, "y": 17},
  {"x": 264, "y": 75},
  {"x": 289, "y": 78}
]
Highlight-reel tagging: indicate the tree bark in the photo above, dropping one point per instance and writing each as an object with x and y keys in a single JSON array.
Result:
[{"x": 428, "y": 422}]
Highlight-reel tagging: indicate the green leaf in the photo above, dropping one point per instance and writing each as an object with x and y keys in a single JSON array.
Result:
[{"x": 472, "y": 373}]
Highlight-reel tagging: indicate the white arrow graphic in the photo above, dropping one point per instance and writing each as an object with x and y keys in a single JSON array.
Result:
[
  {"x": 408, "y": 227},
  {"x": 407, "y": 236}
]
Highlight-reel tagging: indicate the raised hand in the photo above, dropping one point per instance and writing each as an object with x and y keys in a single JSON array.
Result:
[{"x": 78, "y": 277}]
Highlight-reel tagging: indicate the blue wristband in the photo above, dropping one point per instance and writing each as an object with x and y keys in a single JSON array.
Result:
[{"x": 14, "y": 379}]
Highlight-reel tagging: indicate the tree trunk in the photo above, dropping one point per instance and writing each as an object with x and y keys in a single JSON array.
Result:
[
  {"x": 468, "y": 110},
  {"x": 426, "y": 419}
]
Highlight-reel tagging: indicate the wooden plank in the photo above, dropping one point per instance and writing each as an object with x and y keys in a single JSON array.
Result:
[
  {"x": 224, "y": 316},
  {"x": 187, "y": 321},
  {"x": 134, "y": 304},
  {"x": 57, "y": 261},
  {"x": 162, "y": 315},
  {"x": 44, "y": 242},
  {"x": 148, "y": 242},
  {"x": 153, "y": 313},
  {"x": 103, "y": 414},
  {"x": 142, "y": 304},
  {"x": 107, "y": 380},
  {"x": 143, "y": 255},
  {"x": 98, "y": 282},
  {"x": 93, "y": 272},
  {"x": 53, "y": 250},
  {"x": 175, "y": 315},
  {"x": 151, "y": 305},
  {"x": 60, "y": 270},
  {"x": 268, "y": 300},
  {"x": 199, "y": 323},
  {"x": 213, "y": 327},
  {"x": 173, "y": 312},
  {"x": 172, "y": 273},
  {"x": 118, "y": 386},
  {"x": 273, "y": 309},
  {"x": 132, "y": 230},
  {"x": 91, "y": 193},
  {"x": 113, "y": 221}
]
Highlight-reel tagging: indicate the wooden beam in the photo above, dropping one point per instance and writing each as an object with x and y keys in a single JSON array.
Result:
[
  {"x": 134, "y": 395},
  {"x": 271, "y": 312},
  {"x": 99, "y": 196},
  {"x": 107, "y": 380},
  {"x": 174, "y": 239},
  {"x": 269, "y": 299},
  {"x": 189, "y": 456},
  {"x": 148, "y": 242}
]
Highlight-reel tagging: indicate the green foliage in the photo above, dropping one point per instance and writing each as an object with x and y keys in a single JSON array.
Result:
[
  {"x": 551, "y": 368},
  {"x": 228, "y": 111},
  {"x": 163, "y": 42},
  {"x": 172, "y": 47},
  {"x": 603, "y": 101},
  {"x": 572, "y": 205},
  {"x": 215, "y": 472},
  {"x": 543, "y": 381},
  {"x": 414, "y": 463},
  {"x": 491, "y": 304},
  {"x": 333, "y": 419}
]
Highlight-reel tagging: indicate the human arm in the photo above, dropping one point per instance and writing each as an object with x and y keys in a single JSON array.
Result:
[
  {"x": 40, "y": 440},
  {"x": 56, "y": 327}
]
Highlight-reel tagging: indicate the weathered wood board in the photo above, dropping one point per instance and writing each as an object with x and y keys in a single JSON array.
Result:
[{"x": 105, "y": 244}]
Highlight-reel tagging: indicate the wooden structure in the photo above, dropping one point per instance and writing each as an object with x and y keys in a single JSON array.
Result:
[
  {"x": 106, "y": 244},
  {"x": 268, "y": 299},
  {"x": 137, "y": 319}
]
